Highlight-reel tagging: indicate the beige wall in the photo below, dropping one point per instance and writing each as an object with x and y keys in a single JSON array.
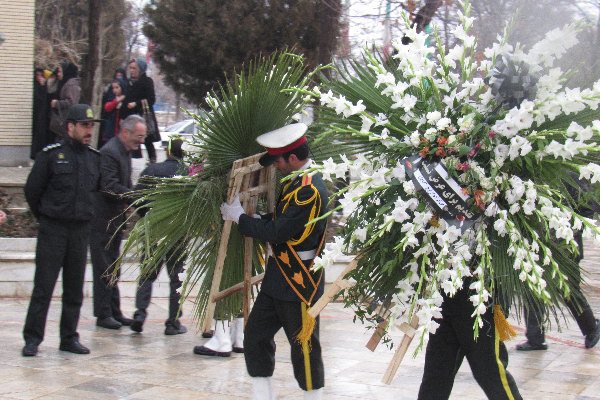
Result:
[{"x": 16, "y": 72}]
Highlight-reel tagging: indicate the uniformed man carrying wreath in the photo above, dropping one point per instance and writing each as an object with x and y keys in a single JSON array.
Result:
[
  {"x": 289, "y": 287},
  {"x": 59, "y": 193}
]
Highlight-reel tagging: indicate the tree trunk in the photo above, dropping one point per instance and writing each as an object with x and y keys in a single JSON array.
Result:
[
  {"x": 426, "y": 13},
  {"x": 93, "y": 71}
]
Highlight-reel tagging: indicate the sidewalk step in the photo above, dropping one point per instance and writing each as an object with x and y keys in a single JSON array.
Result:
[{"x": 16, "y": 280}]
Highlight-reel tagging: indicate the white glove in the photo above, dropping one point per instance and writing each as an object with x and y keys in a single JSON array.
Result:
[{"x": 232, "y": 212}]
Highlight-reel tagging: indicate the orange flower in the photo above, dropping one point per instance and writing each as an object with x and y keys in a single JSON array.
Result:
[
  {"x": 440, "y": 152},
  {"x": 442, "y": 141},
  {"x": 423, "y": 153},
  {"x": 479, "y": 199}
]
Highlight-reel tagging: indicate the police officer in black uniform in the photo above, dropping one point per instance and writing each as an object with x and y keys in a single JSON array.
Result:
[
  {"x": 289, "y": 286},
  {"x": 59, "y": 193},
  {"x": 166, "y": 169}
]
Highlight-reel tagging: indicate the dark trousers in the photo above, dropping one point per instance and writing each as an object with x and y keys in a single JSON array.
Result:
[
  {"x": 63, "y": 245},
  {"x": 104, "y": 249},
  {"x": 487, "y": 356},
  {"x": 144, "y": 289},
  {"x": 268, "y": 315},
  {"x": 579, "y": 308}
]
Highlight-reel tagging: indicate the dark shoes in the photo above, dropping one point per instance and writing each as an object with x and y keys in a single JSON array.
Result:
[
  {"x": 108, "y": 323},
  {"x": 123, "y": 320},
  {"x": 74, "y": 347},
  {"x": 29, "y": 350},
  {"x": 591, "y": 339},
  {"x": 174, "y": 329},
  {"x": 237, "y": 349},
  {"x": 208, "y": 334},
  {"x": 205, "y": 351},
  {"x": 137, "y": 324},
  {"x": 526, "y": 346}
]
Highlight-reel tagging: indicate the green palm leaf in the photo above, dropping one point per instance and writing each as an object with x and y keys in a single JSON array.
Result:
[{"x": 184, "y": 214}]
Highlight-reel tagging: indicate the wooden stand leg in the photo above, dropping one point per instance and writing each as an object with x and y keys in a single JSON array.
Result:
[
  {"x": 409, "y": 333},
  {"x": 248, "y": 253},
  {"x": 377, "y": 335},
  {"x": 339, "y": 284}
]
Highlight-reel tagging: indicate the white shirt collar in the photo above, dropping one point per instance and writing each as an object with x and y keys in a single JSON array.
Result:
[{"x": 306, "y": 165}]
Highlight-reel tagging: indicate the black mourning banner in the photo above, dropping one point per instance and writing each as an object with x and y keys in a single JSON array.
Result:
[{"x": 441, "y": 192}]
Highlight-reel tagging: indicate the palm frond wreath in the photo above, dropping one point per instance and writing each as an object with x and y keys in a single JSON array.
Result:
[
  {"x": 462, "y": 170},
  {"x": 183, "y": 212}
]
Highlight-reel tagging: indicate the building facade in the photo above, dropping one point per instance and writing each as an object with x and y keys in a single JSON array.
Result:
[{"x": 17, "y": 20}]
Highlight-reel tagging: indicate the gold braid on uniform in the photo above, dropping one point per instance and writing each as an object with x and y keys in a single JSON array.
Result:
[{"x": 308, "y": 322}]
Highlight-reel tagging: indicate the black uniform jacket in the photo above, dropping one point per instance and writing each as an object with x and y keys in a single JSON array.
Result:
[
  {"x": 115, "y": 184},
  {"x": 62, "y": 181},
  {"x": 287, "y": 225}
]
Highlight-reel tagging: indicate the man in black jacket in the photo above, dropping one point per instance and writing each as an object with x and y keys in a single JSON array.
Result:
[
  {"x": 110, "y": 204},
  {"x": 166, "y": 169},
  {"x": 289, "y": 286},
  {"x": 59, "y": 192}
]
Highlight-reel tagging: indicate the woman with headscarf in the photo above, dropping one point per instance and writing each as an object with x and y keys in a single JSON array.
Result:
[
  {"x": 112, "y": 110},
  {"x": 108, "y": 95},
  {"x": 141, "y": 87},
  {"x": 40, "y": 136},
  {"x": 69, "y": 91}
]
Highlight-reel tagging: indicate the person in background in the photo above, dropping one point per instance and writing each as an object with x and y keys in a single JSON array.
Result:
[
  {"x": 59, "y": 192},
  {"x": 69, "y": 87},
  {"x": 112, "y": 110},
  {"x": 577, "y": 304},
  {"x": 141, "y": 87},
  {"x": 2, "y": 217},
  {"x": 172, "y": 166},
  {"x": 40, "y": 135},
  {"x": 107, "y": 96},
  {"x": 107, "y": 227}
]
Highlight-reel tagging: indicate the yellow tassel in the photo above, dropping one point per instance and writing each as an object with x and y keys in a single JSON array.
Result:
[
  {"x": 505, "y": 330},
  {"x": 308, "y": 326}
]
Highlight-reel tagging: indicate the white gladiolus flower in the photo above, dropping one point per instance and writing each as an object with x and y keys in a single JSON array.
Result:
[
  {"x": 366, "y": 123},
  {"x": 500, "y": 227},
  {"x": 415, "y": 139},
  {"x": 409, "y": 187},
  {"x": 399, "y": 172},
  {"x": 590, "y": 172},
  {"x": 433, "y": 117},
  {"x": 581, "y": 133},
  {"x": 360, "y": 234},
  {"x": 443, "y": 123},
  {"x": 518, "y": 146}
]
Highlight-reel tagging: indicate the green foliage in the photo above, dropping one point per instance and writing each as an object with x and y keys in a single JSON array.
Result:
[
  {"x": 200, "y": 42},
  {"x": 184, "y": 215}
]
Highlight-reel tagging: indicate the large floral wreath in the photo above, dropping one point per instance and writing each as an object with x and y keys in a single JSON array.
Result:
[{"x": 461, "y": 169}]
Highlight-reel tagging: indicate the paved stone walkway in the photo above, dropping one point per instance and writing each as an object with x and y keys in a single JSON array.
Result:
[{"x": 125, "y": 365}]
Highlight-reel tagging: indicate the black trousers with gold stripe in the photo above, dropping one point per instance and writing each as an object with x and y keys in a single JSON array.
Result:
[
  {"x": 487, "y": 356},
  {"x": 268, "y": 315}
]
